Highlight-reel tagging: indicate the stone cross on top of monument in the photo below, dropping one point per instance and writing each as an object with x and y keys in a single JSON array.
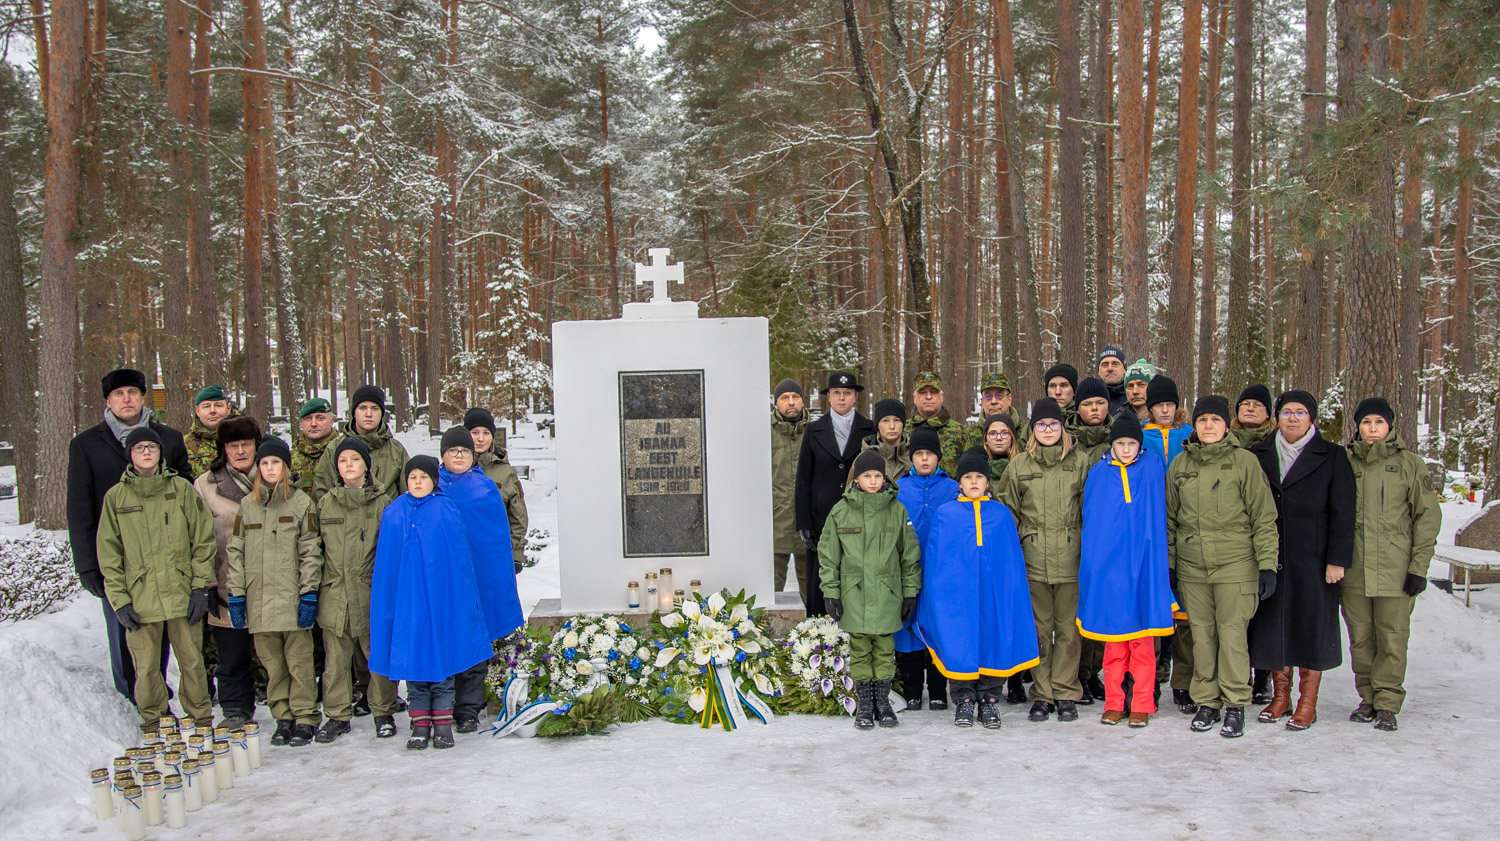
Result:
[
  {"x": 658, "y": 274},
  {"x": 661, "y": 306}
]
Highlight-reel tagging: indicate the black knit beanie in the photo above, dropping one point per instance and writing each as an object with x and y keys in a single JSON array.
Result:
[
  {"x": 1045, "y": 409},
  {"x": 924, "y": 438},
  {"x": 1088, "y": 388},
  {"x": 426, "y": 464},
  {"x": 367, "y": 394},
  {"x": 1064, "y": 370},
  {"x": 1161, "y": 389},
  {"x": 974, "y": 460},
  {"x": 457, "y": 436},
  {"x": 1299, "y": 396},
  {"x": 273, "y": 446},
  {"x": 1010, "y": 422},
  {"x": 1212, "y": 404},
  {"x": 1256, "y": 392},
  {"x": 787, "y": 386},
  {"x": 887, "y": 408},
  {"x": 142, "y": 435},
  {"x": 1375, "y": 406},
  {"x": 475, "y": 418},
  {"x": 1126, "y": 425},
  {"x": 868, "y": 460},
  {"x": 349, "y": 442}
]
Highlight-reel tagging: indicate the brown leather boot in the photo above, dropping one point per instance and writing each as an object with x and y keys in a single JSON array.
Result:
[
  {"x": 1281, "y": 696},
  {"x": 1307, "y": 700}
]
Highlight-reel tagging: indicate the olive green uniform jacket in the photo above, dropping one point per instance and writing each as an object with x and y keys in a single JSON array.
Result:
[
  {"x": 786, "y": 446},
  {"x": 1221, "y": 517},
  {"x": 349, "y": 523},
  {"x": 305, "y": 458},
  {"x": 1045, "y": 493},
  {"x": 387, "y": 459},
  {"x": 1396, "y": 520},
  {"x": 951, "y": 436},
  {"x": 155, "y": 543},
  {"x": 275, "y": 555},
  {"x": 869, "y": 559},
  {"x": 897, "y": 458}
]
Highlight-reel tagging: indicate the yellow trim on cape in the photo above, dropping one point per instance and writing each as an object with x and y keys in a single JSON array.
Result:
[
  {"x": 978, "y": 522},
  {"x": 936, "y": 661},
  {"x": 1124, "y": 477}
]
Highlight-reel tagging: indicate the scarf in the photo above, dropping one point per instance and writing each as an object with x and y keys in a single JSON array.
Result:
[
  {"x": 120, "y": 429},
  {"x": 842, "y": 426},
  {"x": 1287, "y": 451}
]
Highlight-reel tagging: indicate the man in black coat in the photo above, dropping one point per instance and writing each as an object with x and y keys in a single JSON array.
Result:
[
  {"x": 96, "y": 460},
  {"x": 828, "y": 451},
  {"x": 1297, "y": 626}
]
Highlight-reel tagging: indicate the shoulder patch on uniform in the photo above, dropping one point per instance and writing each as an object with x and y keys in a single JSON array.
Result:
[
  {"x": 851, "y": 529},
  {"x": 1427, "y": 481},
  {"x": 312, "y": 522}
]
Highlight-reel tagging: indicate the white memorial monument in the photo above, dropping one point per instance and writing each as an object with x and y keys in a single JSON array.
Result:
[{"x": 663, "y": 450}]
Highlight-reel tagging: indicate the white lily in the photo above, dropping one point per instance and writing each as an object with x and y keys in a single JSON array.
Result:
[
  {"x": 763, "y": 685},
  {"x": 740, "y": 612},
  {"x": 671, "y": 620},
  {"x": 690, "y": 609},
  {"x": 716, "y": 602},
  {"x": 703, "y": 652},
  {"x": 749, "y": 646},
  {"x": 698, "y": 701},
  {"x": 666, "y": 655}
]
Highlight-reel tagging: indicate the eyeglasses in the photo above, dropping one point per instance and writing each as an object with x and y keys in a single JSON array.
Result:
[
  {"x": 1290, "y": 415},
  {"x": 995, "y": 394},
  {"x": 1048, "y": 426},
  {"x": 999, "y": 433},
  {"x": 144, "y": 448}
]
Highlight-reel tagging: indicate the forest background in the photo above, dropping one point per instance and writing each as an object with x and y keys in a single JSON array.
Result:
[{"x": 298, "y": 195}]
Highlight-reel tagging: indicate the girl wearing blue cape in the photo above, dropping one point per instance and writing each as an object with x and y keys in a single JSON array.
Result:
[
  {"x": 426, "y": 621},
  {"x": 921, "y": 490},
  {"x": 1125, "y": 597},
  {"x": 975, "y": 612},
  {"x": 487, "y": 522}
]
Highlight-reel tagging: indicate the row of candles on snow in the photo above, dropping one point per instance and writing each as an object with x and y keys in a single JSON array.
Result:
[
  {"x": 658, "y": 593},
  {"x": 175, "y": 770}
]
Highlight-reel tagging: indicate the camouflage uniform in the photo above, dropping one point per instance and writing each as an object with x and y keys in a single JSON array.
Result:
[
  {"x": 974, "y": 434},
  {"x": 203, "y": 445},
  {"x": 305, "y": 458},
  {"x": 951, "y": 436}
]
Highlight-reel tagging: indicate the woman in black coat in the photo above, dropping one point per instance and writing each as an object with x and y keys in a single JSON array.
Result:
[{"x": 1298, "y": 625}]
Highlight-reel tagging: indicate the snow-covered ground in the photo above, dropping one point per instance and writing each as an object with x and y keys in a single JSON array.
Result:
[{"x": 800, "y": 777}]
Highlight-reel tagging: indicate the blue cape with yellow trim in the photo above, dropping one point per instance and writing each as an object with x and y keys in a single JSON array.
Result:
[
  {"x": 1123, "y": 586},
  {"x": 1165, "y": 441},
  {"x": 975, "y": 611},
  {"x": 426, "y": 623},
  {"x": 921, "y": 496},
  {"x": 489, "y": 542}
]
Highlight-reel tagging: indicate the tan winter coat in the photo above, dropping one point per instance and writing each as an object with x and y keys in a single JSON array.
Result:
[{"x": 222, "y": 491}]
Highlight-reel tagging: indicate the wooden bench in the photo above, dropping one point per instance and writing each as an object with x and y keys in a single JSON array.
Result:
[{"x": 1470, "y": 561}]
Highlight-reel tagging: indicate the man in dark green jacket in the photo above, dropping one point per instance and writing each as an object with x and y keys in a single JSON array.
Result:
[
  {"x": 156, "y": 551},
  {"x": 370, "y": 422},
  {"x": 869, "y": 566},
  {"x": 788, "y": 424},
  {"x": 1397, "y": 519}
]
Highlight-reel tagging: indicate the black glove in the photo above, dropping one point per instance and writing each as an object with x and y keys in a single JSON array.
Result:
[
  {"x": 1267, "y": 583},
  {"x": 199, "y": 604},
  {"x": 808, "y": 541},
  {"x": 128, "y": 618},
  {"x": 908, "y": 608},
  {"x": 93, "y": 581},
  {"x": 1414, "y": 584},
  {"x": 216, "y": 602},
  {"x": 834, "y": 607},
  {"x": 1172, "y": 581}
]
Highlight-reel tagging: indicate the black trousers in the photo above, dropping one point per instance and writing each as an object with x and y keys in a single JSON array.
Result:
[
  {"x": 915, "y": 667},
  {"x": 814, "y": 601},
  {"x": 121, "y": 665},
  {"x": 235, "y": 671},
  {"x": 984, "y": 687},
  {"x": 468, "y": 691}
]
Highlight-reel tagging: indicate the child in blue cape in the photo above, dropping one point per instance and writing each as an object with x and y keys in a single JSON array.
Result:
[
  {"x": 921, "y": 490},
  {"x": 975, "y": 612},
  {"x": 1124, "y": 595},
  {"x": 426, "y": 620},
  {"x": 486, "y": 521}
]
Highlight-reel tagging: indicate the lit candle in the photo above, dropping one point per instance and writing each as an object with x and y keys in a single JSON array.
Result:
[
  {"x": 696, "y": 585},
  {"x": 633, "y": 595},
  {"x": 677, "y": 597},
  {"x": 172, "y": 802},
  {"x": 664, "y": 582},
  {"x": 651, "y": 596},
  {"x": 152, "y": 798},
  {"x": 104, "y": 804},
  {"x": 134, "y": 820},
  {"x": 123, "y": 780}
]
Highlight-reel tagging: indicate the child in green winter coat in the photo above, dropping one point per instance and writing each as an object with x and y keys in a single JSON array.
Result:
[
  {"x": 275, "y": 565},
  {"x": 349, "y": 520},
  {"x": 868, "y": 564}
]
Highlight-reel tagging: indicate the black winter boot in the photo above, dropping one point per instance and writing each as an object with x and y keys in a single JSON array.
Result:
[
  {"x": 1040, "y": 711},
  {"x": 1234, "y": 723},
  {"x": 302, "y": 734},
  {"x": 331, "y": 729},
  {"x": 464, "y": 724},
  {"x": 1184, "y": 701},
  {"x": 1067, "y": 711},
  {"x": 1385, "y": 720},
  {"x": 442, "y": 735},
  {"x": 385, "y": 726},
  {"x": 864, "y": 705},
  {"x": 283, "y": 732},
  {"x": 420, "y": 735},
  {"x": 1015, "y": 690},
  {"x": 989, "y": 713},
  {"x": 361, "y": 704},
  {"x": 883, "y": 712},
  {"x": 1205, "y": 719},
  {"x": 1363, "y": 714}
]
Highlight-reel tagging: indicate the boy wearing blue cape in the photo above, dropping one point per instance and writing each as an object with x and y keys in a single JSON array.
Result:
[
  {"x": 975, "y": 612},
  {"x": 426, "y": 620},
  {"x": 921, "y": 490},
  {"x": 1124, "y": 593},
  {"x": 486, "y": 523}
]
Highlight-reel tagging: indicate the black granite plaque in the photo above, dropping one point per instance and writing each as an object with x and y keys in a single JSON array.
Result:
[{"x": 664, "y": 477}]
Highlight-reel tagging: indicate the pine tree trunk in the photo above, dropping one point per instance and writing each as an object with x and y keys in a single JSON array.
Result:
[
  {"x": 1237, "y": 340},
  {"x": 1101, "y": 81},
  {"x": 1208, "y": 319},
  {"x": 1408, "y": 45},
  {"x": 17, "y": 348},
  {"x": 1461, "y": 335},
  {"x": 1179, "y": 332},
  {"x": 1311, "y": 273},
  {"x": 208, "y": 335},
  {"x": 1071, "y": 235},
  {"x": 1136, "y": 318},
  {"x": 256, "y": 98},
  {"x": 1371, "y": 301},
  {"x": 612, "y": 253},
  {"x": 59, "y": 301},
  {"x": 1010, "y": 357},
  {"x": 1026, "y": 378},
  {"x": 177, "y": 370}
]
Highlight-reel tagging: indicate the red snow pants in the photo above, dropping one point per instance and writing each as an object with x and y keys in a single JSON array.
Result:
[{"x": 1138, "y": 657}]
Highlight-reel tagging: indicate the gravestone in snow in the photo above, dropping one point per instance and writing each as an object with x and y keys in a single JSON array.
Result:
[{"x": 662, "y": 450}]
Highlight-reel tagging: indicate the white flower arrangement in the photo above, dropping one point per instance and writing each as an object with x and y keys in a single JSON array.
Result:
[
  {"x": 816, "y": 659},
  {"x": 721, "y": 630}
]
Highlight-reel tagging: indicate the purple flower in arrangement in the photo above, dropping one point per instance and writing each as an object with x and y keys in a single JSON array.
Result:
[
  {"x": 848, "y": 683},
  {"x": 838, "y": 663},
  {"x": 826, "y": 685},
  {"x": 813, "y": 661},
  {"x": 546, "y": 655},
  {"x": 849, "y": 705}
]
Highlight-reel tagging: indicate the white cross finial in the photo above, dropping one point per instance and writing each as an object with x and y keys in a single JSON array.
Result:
[{"x": 658, "y": 274}]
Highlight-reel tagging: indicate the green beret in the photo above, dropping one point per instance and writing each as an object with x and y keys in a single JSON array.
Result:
[
  {"x": 209, "y": 392},
  {"x": 316, "y": 404}
]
